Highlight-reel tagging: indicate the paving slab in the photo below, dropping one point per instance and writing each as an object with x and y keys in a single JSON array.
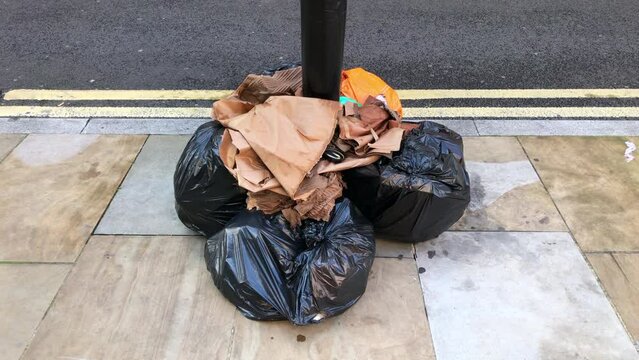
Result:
[
  {"x": 619, "y": 274},
  {"x": 595, "y": 189},
  {"x": 26, "y": 291},
  {"x": 524, "y": 295},
  {"x": 54, "y": 190},
  {"x": 388, "y": 322},
  {"x": 145, "y": 202},
  {"x": 143, "y": 126},
  {"x": 545, "y": 127},
  {"x": 506, "y": 193},
  {"x": 137, "y": 298},
  {"x": 8, "y": 142},
  {"x": 393, "y": 249},
  {"x": 42, "y": 125}
]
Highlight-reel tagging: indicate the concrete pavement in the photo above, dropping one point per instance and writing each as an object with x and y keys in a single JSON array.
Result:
[
  {"x": 510, "y": 280},
  {"x": 97, "y": 100}
]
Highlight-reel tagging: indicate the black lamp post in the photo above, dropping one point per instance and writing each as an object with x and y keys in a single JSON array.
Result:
[{"x": 323, "y": 24}]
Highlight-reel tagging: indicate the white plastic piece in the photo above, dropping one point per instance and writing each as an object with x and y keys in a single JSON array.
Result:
[{"x": 630, "y": 148}]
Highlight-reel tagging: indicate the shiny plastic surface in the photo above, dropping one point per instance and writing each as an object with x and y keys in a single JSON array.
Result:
[
  {"x": 418, "y": 194},
  {"x": 359, "y": 84},
  {"x": 206, "y": 194},
  {"x": 272, "y": 272}
]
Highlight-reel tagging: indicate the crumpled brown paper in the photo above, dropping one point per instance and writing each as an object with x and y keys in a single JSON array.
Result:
[
  {"x": 274, "y": 142},
  {"x": 287, "y": 134},
  {"x": 371, "y": 129},
  {"x": 255, "y": 89},
  {"x": 315, "y": 199}
]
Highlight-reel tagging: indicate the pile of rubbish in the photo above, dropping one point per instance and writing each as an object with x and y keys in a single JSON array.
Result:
[{"x": 290, "y": 191}]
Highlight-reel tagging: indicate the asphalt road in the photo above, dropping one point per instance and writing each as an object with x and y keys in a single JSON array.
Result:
[{"x": 213, "y": 44}]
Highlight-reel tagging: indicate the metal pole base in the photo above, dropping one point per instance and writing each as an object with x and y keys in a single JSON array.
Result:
[{"x": 323, "y": 29}]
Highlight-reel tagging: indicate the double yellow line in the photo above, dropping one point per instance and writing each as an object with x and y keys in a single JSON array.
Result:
[{"x": 412, "y": 94}]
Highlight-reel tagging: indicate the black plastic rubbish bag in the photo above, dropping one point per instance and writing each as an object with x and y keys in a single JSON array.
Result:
[
  {"x": 207, "y": 196},
  {"x": 272, "y": 272},
  {"x": 418, "y": 194}
]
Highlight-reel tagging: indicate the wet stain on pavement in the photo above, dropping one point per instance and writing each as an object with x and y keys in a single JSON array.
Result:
[
  {"x": 91, "y": 173},
  {"x": 477, "y": 192}
]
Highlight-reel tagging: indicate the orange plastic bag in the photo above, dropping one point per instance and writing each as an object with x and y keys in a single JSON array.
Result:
[{"x": 359, "y": 84}]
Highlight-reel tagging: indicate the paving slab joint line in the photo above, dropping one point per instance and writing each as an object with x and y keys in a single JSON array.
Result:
[
  {"x": 421, "y": 289},
  {"x": 398, "y": 257},
  {"x": 574, "y": 239},
  {"x": 612, "y": 252},
  {"x": 476, "y": 127},
  {"x": 612, "y": 303},
  {"x": 620, "y": 267},
  {"x": 569, "y": 230},
  {"x": 147, "y": 235},
  {"x": 532, "y": 163},
  {"x": 85, "y": 125},
  {"x": 507, "y": 231},
  {"x": 21, "y": 262},
  {"x": 55, "y": 297},
  {"x": 13, "y": 147},
  {"x": 113, "y": 196},
  {"x": 554, "y": 203}
]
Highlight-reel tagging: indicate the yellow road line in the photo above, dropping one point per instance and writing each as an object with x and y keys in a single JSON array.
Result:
[
  {"x": 109, "y": 112},
  {"x": 422, "y": 94},
  {"x": 407, "y": 94},
  {"x": 414, "y": 112},
  {"x": 96, "y": 95},
  {"x": 522, "y": 112}
]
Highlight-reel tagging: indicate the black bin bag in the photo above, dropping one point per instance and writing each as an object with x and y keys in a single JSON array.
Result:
[
  {"x": 272, "y": 272},
  {"x": 207, "y": 196},
  {"x": 419, "y": 193}
]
